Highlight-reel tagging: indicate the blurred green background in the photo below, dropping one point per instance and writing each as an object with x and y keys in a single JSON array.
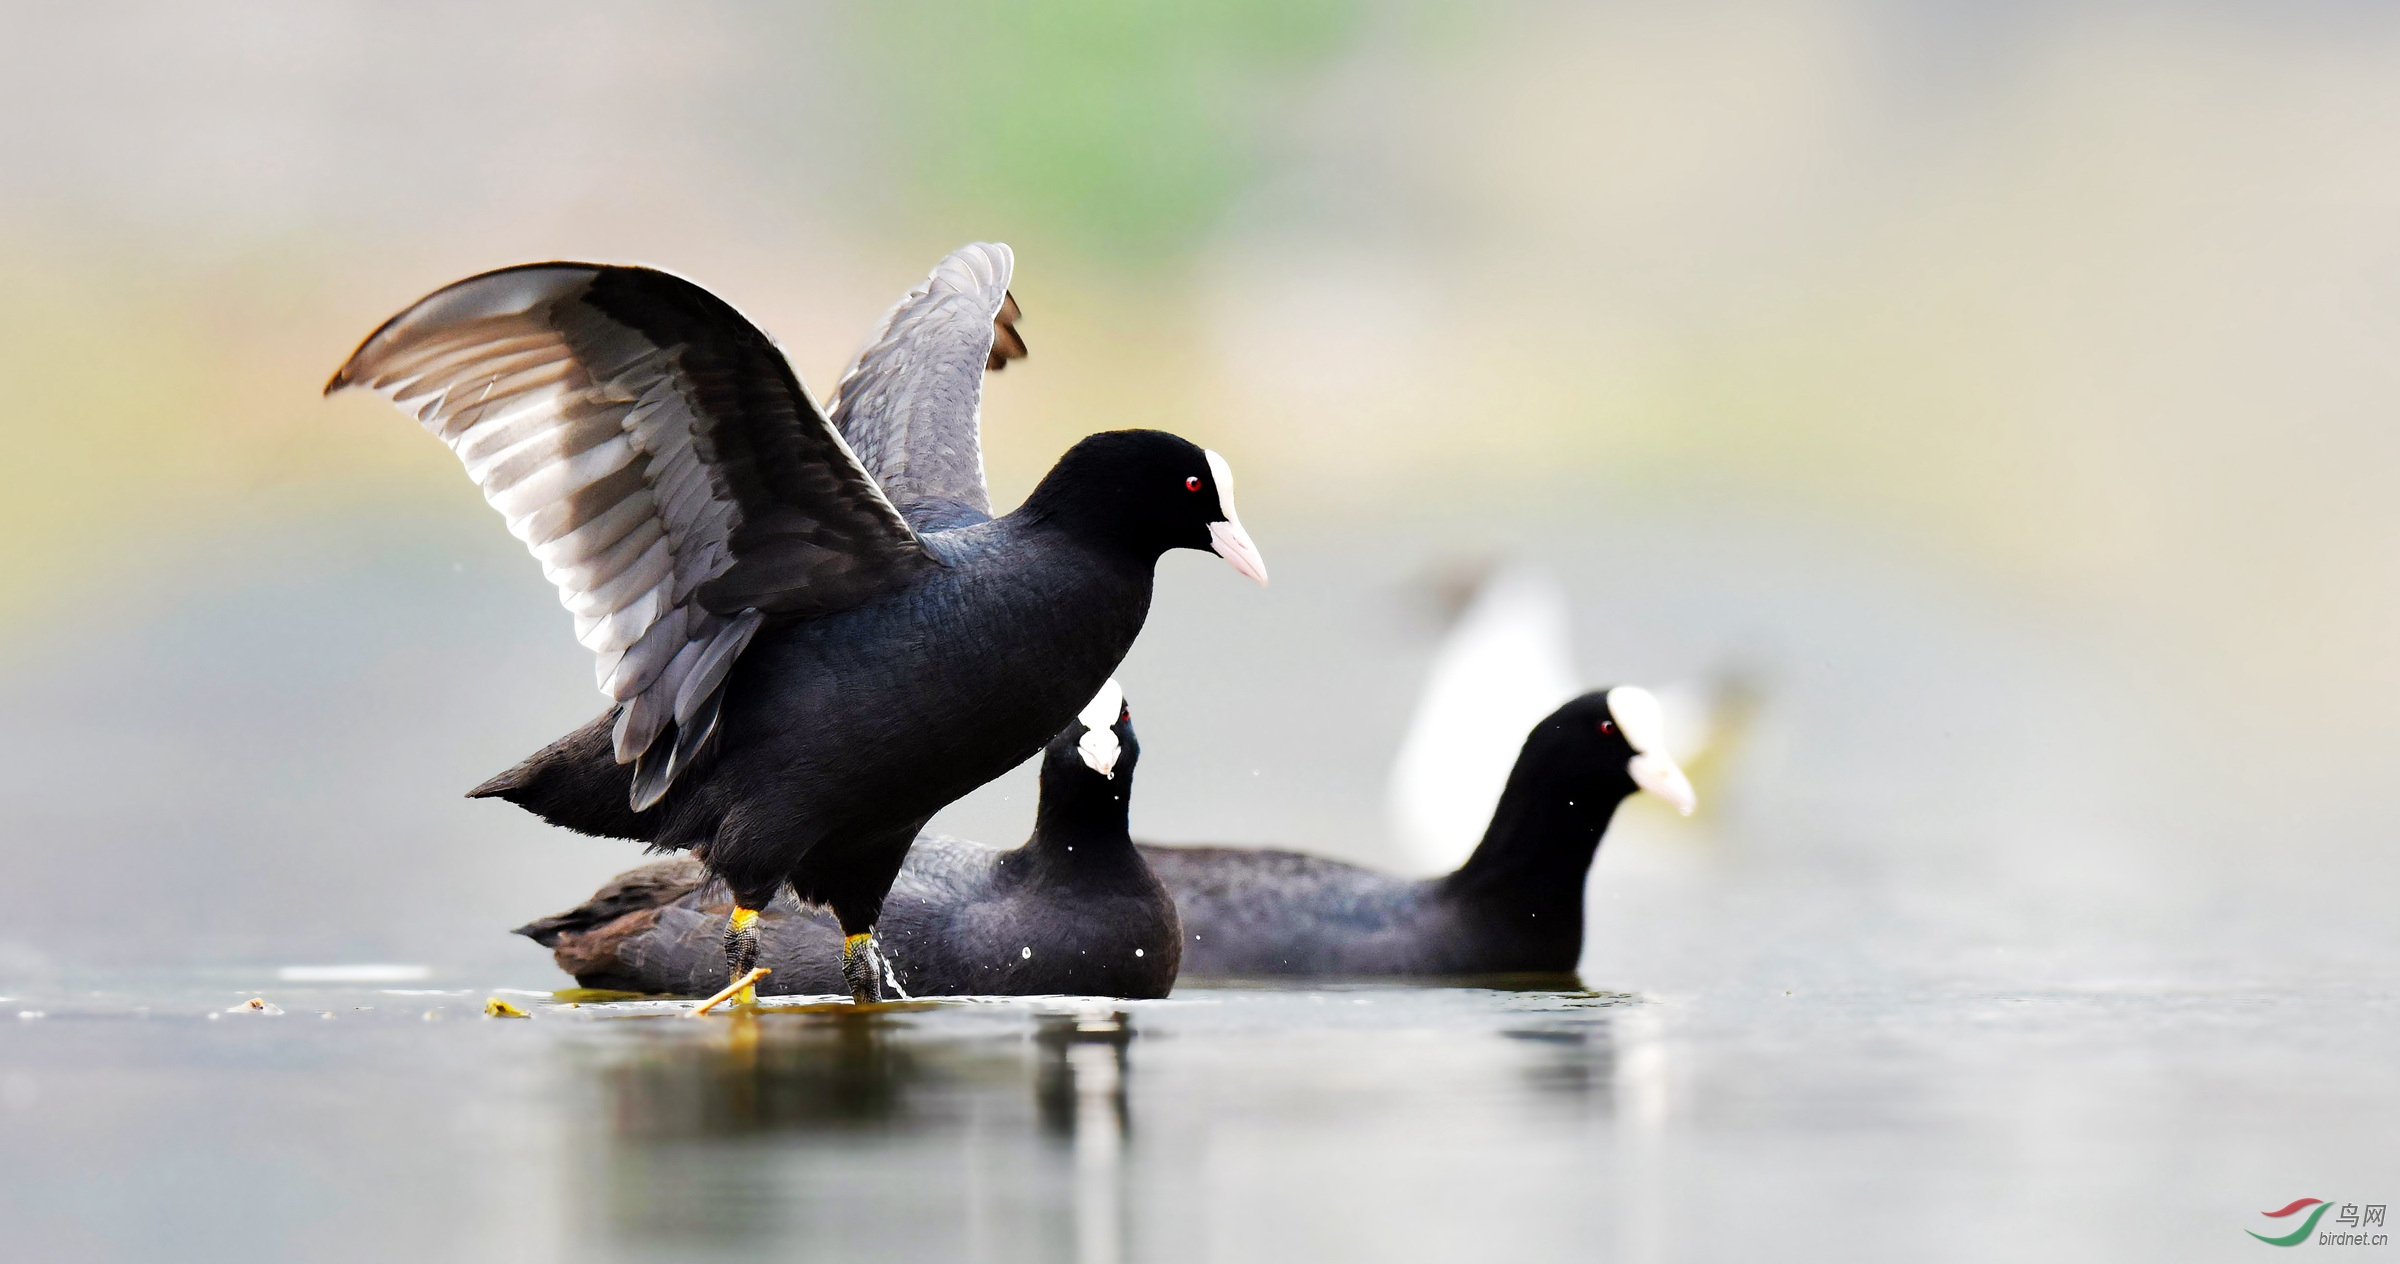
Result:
[{"x": 2073, "y": 324}]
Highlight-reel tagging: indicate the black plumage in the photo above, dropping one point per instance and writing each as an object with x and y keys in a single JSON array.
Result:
[
  {"x": 802, "y": 670},
  {"x": 1515, "y": 907},
  {"x": 1074, "y": 911}
]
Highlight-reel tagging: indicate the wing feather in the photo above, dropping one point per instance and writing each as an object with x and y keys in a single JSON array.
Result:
[
  {"x": 911, "y": 404},
  {"x": 708, "y": 670},
  {"x": 600, "y": 534},
  {"x": 662, "y": 462},
  {"x": 582, "y": 581}
]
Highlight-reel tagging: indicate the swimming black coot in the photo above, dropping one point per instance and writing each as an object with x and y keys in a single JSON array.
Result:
[
  {"x": 1516, "y": 906},
  {"x": 1073, "y": 911},
  {"x": 812, "y": 632}
]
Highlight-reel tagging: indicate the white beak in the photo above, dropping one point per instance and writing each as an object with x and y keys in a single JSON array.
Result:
[
  {"x": 1658, "y": 774},
  {"x": 1233, "y": 544},
  {"x": 1228, "y": 538},
  {"x": 1099, "y": 749}
]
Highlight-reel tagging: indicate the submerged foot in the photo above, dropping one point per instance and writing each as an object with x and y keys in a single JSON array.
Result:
[{"x": 870, "y": 976}]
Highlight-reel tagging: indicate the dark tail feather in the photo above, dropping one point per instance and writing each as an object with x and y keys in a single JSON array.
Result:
[
  {"x": 647, "y": 887},
  {"x": 576, "y": 782}
]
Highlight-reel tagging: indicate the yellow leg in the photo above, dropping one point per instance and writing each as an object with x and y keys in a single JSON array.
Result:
[
  {"x": 862, "y": 968},
  {"x": 741, "y": 951}
]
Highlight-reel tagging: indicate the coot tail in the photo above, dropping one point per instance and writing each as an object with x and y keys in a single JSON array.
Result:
[{"x": 575, "y": 782}]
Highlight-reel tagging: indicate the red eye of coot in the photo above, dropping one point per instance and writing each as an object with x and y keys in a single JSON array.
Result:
[
  {"x": 1606, "y": 727},
  {"x": 1192, "y": 484}
]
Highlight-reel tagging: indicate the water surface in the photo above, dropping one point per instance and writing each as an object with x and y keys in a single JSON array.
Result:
[{"x": 1224, "y": 1123}]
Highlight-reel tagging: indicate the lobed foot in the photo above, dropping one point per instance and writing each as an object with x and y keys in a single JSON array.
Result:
[{"x": 870, "y": 976}]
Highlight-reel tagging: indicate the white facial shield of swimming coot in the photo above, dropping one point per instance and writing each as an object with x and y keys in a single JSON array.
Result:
[
  {"x": 1644, "y": 725},
  {"x": 1099, "y": 745},
  {"x": 1228, "y": 538}
]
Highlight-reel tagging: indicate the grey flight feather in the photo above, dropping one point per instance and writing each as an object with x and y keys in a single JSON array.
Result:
[
  {"x": 665, "y": 466},
  {"x": 911, "y": 405}
]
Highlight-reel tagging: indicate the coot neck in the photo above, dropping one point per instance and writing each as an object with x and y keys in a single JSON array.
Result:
[
  {"x": 1081, "y": 829},
  {"x": 1531, "y": 864},
  {"x": 1096, "y": 519}
]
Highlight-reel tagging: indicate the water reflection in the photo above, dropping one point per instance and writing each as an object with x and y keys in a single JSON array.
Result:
[
  {"x": 856, "y": 1134},
  {"x": 1081, "y": 1088},
  {"x": 1335, "y": 1123},
  {"x": 759, "y": 1076},
  {"x": 1081, "y": 1082},
  {"x": 1008, "y": 1132},
  {"x": 1576, "y": 1064}
]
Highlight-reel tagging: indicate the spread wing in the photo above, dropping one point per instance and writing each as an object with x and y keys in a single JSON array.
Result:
[
  {"x": 911, "y": 406},
  {"x": 656, "y": 452}
]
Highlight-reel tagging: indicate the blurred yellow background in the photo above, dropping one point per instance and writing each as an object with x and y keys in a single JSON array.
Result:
[{"x": 2092, "y": 302}]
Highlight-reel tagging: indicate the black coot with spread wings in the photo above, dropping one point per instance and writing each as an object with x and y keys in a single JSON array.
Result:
[
  {"x": 812, "y": 632},
  {"x": 1074, "y": 911}
]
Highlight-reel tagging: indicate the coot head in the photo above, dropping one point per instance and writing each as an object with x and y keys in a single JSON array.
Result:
[
  {"x": 1617, "y": 739},
  {"x": 1087, "y": 781},
  {"x": 1149, "y": 491},
  {"x": 1096, "y": 752}
]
